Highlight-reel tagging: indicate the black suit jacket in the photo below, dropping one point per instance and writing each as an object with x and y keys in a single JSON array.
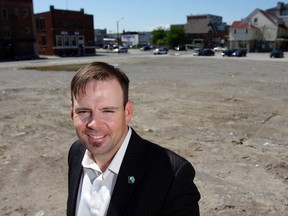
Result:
[{"x": 163, "y": 182}]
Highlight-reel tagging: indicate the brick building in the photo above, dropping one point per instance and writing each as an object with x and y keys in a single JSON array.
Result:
[
  {"x": 17, "y": 35},
  {"x": 65, "y": 33}
]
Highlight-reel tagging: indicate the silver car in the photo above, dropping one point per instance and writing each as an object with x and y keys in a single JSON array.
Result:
[
  {"x": 121, "y": 50},
  {"x": 159, "y": 51}
]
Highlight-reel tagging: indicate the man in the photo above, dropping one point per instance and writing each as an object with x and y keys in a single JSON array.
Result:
[{"x": 112, "y": 170}]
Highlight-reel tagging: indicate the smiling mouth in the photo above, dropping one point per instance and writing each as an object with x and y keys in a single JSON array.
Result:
[{"x": 96, "y": 137}]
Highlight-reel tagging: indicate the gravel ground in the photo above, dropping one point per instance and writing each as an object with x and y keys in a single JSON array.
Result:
[{"x": 228, "y": 116}]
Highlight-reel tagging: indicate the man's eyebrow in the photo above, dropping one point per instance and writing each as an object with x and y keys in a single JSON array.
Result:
[
  {"x": 81, "y": 108},
  {"x": 110, "y": 108}
]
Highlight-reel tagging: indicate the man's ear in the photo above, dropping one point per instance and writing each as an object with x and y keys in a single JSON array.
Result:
[
  {"x": 72, "y": 108},
  {"x": 72, "y": 114}
]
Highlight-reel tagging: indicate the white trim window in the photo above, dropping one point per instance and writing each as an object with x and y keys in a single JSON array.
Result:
[
  {"x": 66, "y": 41},
  {"x": 59, "y": 41},
  {"x": 74, "y": 41}
]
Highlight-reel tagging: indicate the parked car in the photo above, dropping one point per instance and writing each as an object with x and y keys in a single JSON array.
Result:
[
  {"x": 218, "y": 49},
  {"x": 276, "y": 53},
  {"x": 203, "y": 52},
  {"x": 196, "y": 51},
  {"x": 206, "y": 52},
  {"x": 160, "y": 51},
  {"x": 145, "y": 48},
  {"x": 228, "y": 52},
  {"x": 108, "y": 46},
  {"x": 240, "y": 53},
  {"x": 121, "y": 50},
  {"x": 180, "y": 48}
]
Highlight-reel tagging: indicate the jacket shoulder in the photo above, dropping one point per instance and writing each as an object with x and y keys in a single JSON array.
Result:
[
  {"x": 153, "y": 154},
  {"x": 76, "y": 149}
]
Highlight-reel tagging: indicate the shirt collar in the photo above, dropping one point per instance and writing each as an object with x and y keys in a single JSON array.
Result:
[
  {"x": 114, "y": 166},
  {"x": 118, "y": 158}
]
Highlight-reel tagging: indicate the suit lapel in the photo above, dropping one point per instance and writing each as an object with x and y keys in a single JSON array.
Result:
[
  {"x": 76, "y": 170},
  {"x": 129, "y": 174}
]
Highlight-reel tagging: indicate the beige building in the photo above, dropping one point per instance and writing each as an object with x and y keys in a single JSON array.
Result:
[{"x": 260, "y": 31}]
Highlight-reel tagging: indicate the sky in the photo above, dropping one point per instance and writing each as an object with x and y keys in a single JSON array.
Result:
[{"x": 147, "y": 15}]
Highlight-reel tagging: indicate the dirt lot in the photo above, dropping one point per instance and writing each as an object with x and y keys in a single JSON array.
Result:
[{"x": 228, "y": 116}]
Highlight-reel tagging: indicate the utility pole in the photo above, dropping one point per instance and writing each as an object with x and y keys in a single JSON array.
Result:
[{"x": 118, "y": 39}]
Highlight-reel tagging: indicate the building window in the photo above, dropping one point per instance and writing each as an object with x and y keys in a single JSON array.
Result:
[
  {"x": 59, "y": 41},
  {"x": 26, "y": 12},
  {"x": 65, "y": 24},
  {"x": 40, "y": 24},
  {"x": 43, "y": 40},
  {"x": 27, "y": 30},
  {"x": 255, "y": 20},
  {"x": 240, "y": 31},
  {"x": 66, "y": 41},
  {"x": 81, "y": 38},
  {"x": 16, "y": 11},
  {"x": 73, "y": 41},
  {"x": 4, "y": 13}
]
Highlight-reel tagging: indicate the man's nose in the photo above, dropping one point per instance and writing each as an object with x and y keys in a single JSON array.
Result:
[{"x": 94, "y": 120}]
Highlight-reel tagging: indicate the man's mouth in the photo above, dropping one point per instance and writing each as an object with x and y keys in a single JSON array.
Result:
[{"x": 96, "y": 137}]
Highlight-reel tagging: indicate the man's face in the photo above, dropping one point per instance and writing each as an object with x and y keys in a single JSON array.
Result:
[{"x": 100, "y": 119}]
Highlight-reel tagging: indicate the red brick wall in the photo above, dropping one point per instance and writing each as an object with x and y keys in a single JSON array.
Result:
[
  {"x": 66, "y": 23},
  {"x": 20, "y": 22}
]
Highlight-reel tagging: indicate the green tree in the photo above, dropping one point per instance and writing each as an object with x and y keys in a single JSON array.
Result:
[
  {"x": 176, "y": 36},
  {"x": 159, "y": 36}
]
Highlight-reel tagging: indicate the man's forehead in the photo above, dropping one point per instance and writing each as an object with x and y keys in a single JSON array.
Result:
[
  {"x": 99, "y": 87},
  {"x": 91, "y": 85}
]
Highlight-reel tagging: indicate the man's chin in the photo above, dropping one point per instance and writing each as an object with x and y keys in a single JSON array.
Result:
[{"x": 95, "y": 145}]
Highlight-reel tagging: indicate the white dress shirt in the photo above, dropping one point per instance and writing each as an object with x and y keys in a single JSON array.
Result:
[{"x": 96, "y": 188}]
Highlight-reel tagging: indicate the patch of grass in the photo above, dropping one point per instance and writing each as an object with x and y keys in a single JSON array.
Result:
[{"x": 70, "y": 67}]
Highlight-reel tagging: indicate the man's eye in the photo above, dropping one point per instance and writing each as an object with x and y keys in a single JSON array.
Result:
[{"x": 82, "y": 112}]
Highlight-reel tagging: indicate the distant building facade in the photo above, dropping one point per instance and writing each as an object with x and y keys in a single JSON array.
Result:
[
  {"x": 17, "y": 35},
  {"x": 99, "y": 35},
  {"x": 65, "y": 33},
  {"x": 281, "y": 11},
  {"x": 145, "y": 38},
  {"x": 131, "y": 39},
  {"x": 261, "y": 30},
  {"x": 205, "y": 30}
]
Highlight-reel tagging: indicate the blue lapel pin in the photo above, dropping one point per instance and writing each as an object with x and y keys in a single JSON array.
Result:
[{"x": 131, "y": 179}]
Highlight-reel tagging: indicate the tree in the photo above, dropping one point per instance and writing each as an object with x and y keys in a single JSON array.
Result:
[
  {"x": 159, "y": 36},
  {"x": 176, "y": 36}
]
